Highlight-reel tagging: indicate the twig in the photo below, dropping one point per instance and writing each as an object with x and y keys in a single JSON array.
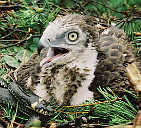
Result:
[
  {"x": 23, "y": 58},
  {"x": 93, "y": 125},
  {"x": 9, "y": 40},
  {"x": 92, "y": 103},
  {"x": 3, "y": 123},
  {"x": 28, "y": 36},
  {"x": 2, "y": 55},
  {"x": 16, "y": 36},
  {"x": 9, "y": 7},
  {"x": 85, "y": 3},
  {"x": 6, "y": 35},
  {"x": 8, "y": 75},
  {"x": 3, "y": 2},
  {"x": 62, "y": 111},
  {"x": 126, "y": 20},
  {"x": 19, "y": 125},
  {"x": 72, "y": 123}
]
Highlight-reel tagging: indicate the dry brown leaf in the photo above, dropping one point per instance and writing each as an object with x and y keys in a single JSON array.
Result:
[{"x": 134, "y": 76}]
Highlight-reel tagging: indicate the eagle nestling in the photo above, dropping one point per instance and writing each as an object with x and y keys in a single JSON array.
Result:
[{"x": 75, "y": 58}]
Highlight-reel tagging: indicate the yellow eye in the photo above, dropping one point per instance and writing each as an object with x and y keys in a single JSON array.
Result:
[{"x": 73, "y": 36}]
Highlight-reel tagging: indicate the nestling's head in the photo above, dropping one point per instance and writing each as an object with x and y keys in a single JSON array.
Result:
[{"x": 67, "y": 35}]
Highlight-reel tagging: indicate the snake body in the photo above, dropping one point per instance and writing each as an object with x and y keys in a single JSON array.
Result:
[{"x": 13, "y": 92}]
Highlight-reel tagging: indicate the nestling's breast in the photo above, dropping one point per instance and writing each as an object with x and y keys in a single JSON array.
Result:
[{"x": 68, "y": 83}]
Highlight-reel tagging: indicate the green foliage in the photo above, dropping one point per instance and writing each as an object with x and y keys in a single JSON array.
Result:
[
  {"x": 32, "y": 44},
  {"x": 21, "y": 54},
  {"x": 118, "y": 112},
  {"x": 36, "y": 18},
  {"x": 112, "y": 113},
  {"x": 28, "y": 16},
  {"x": 126, "y": 13},
  {"x": 27, "y": 23},
  {"x": 36, "y": 124},
  {"x": 11, "y": 61},
  {"x": 12, "y": 113},
  {"x": 8, "y": 111}
]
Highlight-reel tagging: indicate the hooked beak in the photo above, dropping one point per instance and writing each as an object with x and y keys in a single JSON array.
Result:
[
  {"x": 55, "y": 52},
  {"x": 44, "y": 43},
  {"x": 40, "y": 47}
]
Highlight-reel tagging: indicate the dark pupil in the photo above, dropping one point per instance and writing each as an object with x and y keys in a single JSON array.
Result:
[{"x": 72, "y": 36}]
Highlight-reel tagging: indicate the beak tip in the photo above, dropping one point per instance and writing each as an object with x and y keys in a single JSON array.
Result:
[{"x": 40, "y": 47}]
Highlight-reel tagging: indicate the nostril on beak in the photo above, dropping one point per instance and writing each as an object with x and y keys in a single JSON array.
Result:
[{"x": 49, "y": 40}]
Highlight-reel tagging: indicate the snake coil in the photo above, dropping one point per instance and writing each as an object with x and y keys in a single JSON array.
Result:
[{"x": 25, "y": 97}]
